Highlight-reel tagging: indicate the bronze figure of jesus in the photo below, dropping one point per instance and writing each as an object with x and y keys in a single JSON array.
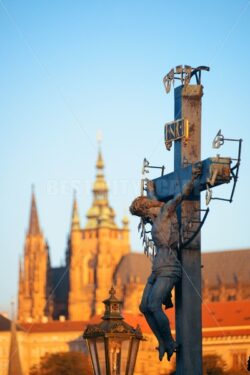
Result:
[{"x": 166, "y": 268}]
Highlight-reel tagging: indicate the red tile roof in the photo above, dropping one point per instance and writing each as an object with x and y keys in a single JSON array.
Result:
[
  {"x": 54, "y": 326},
  {"x": 226, "y": 314},
  {"x": 219, "y": 319}
]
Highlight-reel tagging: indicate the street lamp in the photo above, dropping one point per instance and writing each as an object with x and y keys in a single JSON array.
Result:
[{"x": 113, "y": 344}]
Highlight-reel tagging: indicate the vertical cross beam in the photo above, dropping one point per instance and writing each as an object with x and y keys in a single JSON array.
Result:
[{"x": 188, "y": 290}]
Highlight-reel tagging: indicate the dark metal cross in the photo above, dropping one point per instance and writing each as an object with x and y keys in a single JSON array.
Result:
[{"x": 185, "y": 132}]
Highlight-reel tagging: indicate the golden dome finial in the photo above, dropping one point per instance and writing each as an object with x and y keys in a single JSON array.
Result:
[
  {"x": 100, "y": 214},
  {"x": 100, "y": 162}
]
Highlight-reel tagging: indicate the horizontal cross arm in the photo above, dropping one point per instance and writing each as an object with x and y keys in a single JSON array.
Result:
[{"x": 215, "y": 171}]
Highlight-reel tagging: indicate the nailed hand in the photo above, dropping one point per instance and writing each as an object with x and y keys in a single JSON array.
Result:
[{"x": 150, "y": 185}]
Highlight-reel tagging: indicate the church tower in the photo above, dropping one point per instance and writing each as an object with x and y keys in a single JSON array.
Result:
[
  {"x": 94, "y": 251},
  {"x": 33, "y": 272}
]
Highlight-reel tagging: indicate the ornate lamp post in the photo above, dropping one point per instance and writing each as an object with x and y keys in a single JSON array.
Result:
[{"x": 113, "y": 344}]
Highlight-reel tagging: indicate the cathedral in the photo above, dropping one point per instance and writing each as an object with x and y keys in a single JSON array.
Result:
[
  {"x": 93, "y": 256},
  {"x": 99, "y": 255}
]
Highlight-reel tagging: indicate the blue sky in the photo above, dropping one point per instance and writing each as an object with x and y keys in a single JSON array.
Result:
[{"x": 71, "y": 68}]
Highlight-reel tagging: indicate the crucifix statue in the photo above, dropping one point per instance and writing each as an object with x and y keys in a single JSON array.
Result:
[
  {"x": 172, "y": 208},
  {"x": 166, "y": 269}
]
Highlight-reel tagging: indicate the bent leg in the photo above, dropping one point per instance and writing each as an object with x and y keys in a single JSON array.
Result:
[
  {"x": 163, "y": 325},
  {"x": 160, "y": 289},
  {"x": 149, "y": 316}
]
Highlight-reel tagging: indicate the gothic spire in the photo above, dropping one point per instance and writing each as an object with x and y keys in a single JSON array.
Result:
[
  {"x": 75, "y": 223},
  {"x": 20, "y": 273},
  {"x": 34, "y": 227},
  {"x": 20, "y": 267}
]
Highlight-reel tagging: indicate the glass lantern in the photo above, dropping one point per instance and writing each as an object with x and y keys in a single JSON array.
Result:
[{"x": 113, "y": 344}]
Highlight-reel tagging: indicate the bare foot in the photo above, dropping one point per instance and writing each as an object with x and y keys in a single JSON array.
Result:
[
  {"x": 173, "y": 349},
  {"x": 161, "y": 351}
]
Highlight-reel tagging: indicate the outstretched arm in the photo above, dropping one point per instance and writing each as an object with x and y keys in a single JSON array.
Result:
[{"x": 171, "y": 205}]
